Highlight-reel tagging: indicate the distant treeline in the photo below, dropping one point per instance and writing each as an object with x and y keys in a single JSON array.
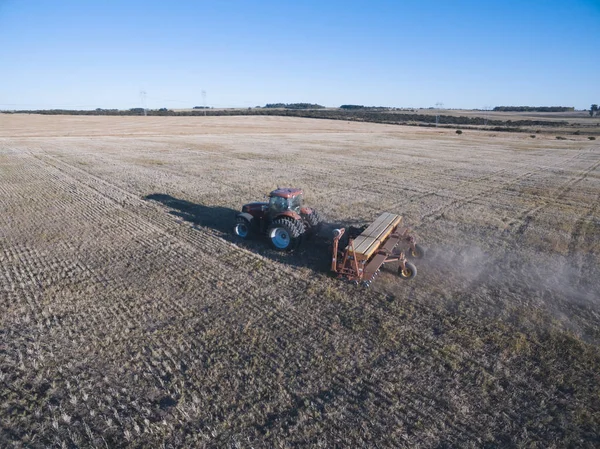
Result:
[
  {"x": 390, "y": 117},
  {"x": 294, "y": 106},
  {"x": 363, "y": 115},
  {"x": 99, "y": 111},
  {"x": 534, "y": 109},
  {"x": 353, "y": 107}
]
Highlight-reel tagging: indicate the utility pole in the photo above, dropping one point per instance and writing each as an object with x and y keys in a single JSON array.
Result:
[
  {"x": 487, "y": 115},
  {"x": 438, "y": 106},
  {"x": 204, "y": 101}
]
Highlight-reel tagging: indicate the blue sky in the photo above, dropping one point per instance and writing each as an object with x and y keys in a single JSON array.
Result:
[{"x": 464, "y": 54}]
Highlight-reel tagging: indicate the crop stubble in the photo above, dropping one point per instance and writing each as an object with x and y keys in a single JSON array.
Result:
[{"x": 130, "y": 316}]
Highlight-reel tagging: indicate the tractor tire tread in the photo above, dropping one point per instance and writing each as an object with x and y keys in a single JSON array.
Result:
[
  {"x": 314, "y": 219},
  {"x": 294, "y": 227}
]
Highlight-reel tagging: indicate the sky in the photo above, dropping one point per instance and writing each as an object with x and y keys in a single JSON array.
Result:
[{"x": 460, "y": 53}]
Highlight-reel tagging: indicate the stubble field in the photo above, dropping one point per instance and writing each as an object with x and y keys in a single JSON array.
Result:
[{"x": 130, "y": 316}]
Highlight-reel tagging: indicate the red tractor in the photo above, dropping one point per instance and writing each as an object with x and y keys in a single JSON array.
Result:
[{"x": 283, "y": 219}]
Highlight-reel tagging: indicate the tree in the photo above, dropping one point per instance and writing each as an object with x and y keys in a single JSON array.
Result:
[{"x": 594, "y": 109}]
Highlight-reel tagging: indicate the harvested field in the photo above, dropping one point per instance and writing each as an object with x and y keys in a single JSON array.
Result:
[{"x": 132, "y": 317}]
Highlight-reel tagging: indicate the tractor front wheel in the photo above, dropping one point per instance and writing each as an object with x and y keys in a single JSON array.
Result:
[
  {"x": 285, "y": 233},
  {"x": 242, "y": 228}
]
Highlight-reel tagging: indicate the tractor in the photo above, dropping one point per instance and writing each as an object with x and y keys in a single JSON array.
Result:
[{"x": 283, "y": 219}]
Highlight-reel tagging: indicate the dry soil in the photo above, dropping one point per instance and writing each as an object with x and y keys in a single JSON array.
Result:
[{"x": 131, "y": 316}]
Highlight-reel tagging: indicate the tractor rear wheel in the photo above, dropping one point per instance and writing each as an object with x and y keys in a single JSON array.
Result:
[
  {"x": 285, "y": 233},
  {"x": 315, "y": 221},
  {"x": 242, "y": 228},
  {"x": 409, "y": 272}
]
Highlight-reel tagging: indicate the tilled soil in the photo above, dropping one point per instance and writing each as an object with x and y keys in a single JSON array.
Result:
[{"x": 131, "y": 316}]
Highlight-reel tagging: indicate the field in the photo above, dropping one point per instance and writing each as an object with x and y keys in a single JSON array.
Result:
[{"x": 131, "y": 316}]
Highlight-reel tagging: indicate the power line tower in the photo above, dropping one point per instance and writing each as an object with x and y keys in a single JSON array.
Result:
[
  {"x": 486, "y": 115},
  {"x": 204, "y": 101},
  {"x": 438, "y": 106},
  {"x": 143, "y": 100}
]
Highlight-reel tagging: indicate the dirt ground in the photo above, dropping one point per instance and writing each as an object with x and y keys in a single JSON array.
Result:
[{"x": 131, "y": 316}]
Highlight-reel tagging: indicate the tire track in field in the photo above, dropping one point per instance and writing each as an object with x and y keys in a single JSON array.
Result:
[
  {"x": 103, "y": 187},
  {"x": 455, "y": 204},
  {"x": 378, "y": 173},
  {"x": 586, "y": 263},
  {"x": 528, "y": 215},
  {"x": 577, "y": 232},
  {"x": 438, "y": 213},
  {"x": 457, "y": 183}
]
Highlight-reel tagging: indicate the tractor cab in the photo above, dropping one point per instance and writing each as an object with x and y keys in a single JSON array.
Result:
[{"x": 282, "y": 200}]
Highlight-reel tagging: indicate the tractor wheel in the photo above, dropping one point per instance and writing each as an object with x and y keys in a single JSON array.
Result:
[
  {"x": 285, "y": 233},
  {"x": 409, "y": 272},
  {"x": 242, "y": 228},
  {"x": 315, "y": 221},
  {"x": 417, "y": 253}
]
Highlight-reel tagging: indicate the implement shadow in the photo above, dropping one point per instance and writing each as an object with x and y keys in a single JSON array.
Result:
[{"x": 312, "y": 253}]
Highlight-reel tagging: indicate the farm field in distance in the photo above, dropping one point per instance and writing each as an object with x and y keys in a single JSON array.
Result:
[{"x": 131, "y": 316}]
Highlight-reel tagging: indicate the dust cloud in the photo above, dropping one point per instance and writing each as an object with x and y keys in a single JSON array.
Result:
[{"x": 565, "y": 287}]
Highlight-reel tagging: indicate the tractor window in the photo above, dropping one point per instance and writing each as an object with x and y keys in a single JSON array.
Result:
[
  {"x": 296, "y": 203},
  {"x": 278, "y": 204}
]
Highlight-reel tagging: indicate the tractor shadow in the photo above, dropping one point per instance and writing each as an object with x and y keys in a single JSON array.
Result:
[
  {"x": 219, "y": 218},
  {"x": 313, "y": 252}
]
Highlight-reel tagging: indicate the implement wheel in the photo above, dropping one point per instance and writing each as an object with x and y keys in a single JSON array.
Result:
[
  {"x": 417, "y": 253},
  {"x": 409, "y": 271}
]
